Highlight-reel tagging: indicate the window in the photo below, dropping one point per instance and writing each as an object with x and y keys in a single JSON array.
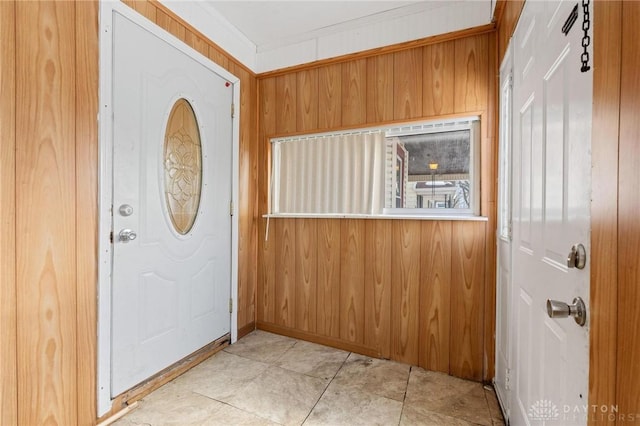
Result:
[
  {"x": 436, "y": 168},
  {"x": 428, "y": 168}
]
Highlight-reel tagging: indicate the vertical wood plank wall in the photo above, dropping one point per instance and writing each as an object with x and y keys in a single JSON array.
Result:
[
  {"x": 603, "y": 339},
  {"x": 8, "y": 365},
  {"x": 628, "y": 360},
  {"x": 45, "y": 175},
  {"x": 420, "y": 292}
]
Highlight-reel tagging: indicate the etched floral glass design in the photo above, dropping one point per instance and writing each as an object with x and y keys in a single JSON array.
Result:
[{"x": 182, "y": 166}]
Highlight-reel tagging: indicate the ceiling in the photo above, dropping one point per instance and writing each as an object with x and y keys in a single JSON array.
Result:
[
  {"x": 272, "y": 34},
  {"x": 273, "y": 23}
]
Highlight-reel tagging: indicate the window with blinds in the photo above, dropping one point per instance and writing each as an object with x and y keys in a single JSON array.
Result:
[{"x": 425, "y": 168}]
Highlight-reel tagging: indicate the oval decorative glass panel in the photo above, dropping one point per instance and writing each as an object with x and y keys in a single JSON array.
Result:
[{"x": 182, "y": 166}]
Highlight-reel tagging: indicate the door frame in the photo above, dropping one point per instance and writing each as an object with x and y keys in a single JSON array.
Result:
[
  {"x": 504, "y": 313},
  {"x": 105, "y": 190}
]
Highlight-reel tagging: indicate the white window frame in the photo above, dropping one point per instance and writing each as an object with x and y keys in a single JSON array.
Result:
[
  {"x": 439, "y": 126},
  {"x": 471, "y": 123}
]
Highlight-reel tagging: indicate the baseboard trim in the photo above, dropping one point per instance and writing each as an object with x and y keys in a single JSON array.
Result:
[
  {"x": 243, "y": 331},
  {"x": 127, "y": 398},
  {"x": 323, "y": 340}
]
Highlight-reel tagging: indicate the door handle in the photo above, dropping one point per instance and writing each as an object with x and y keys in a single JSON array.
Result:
[
  {"x": 577, "y": 310},
  {"x": 127, "y": 235}
]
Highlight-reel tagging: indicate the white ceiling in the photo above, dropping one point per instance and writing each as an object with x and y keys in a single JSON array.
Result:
[
  {"x": 285, "y": 33},
  {"x": 275, "y": 23}
]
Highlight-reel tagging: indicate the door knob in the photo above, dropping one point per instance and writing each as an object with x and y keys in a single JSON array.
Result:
[
  {"x": 577, "y": 257},
  {"x": 577, "y": 310},
  {"x": 127, "y": 235}
]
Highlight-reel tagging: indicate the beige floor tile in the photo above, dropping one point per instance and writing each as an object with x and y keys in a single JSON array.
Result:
[
  {"x": 266, "y": 379},
  {"x": 413, "y": 417},
  {"x": 494, "y": 406},
  {"x": 346, "y": 406},
  {"x": 221, "y": 376},
  {"x": 437, "y": 392},
  {"x": 228, "y": 415},
  {"x": 171, "y": 405},
  {"x": 261, "y": 346},
  {"x": 379, "y": 377},
  {"x": 282, "y": 396},
  {"x": 313, "y": 360}
]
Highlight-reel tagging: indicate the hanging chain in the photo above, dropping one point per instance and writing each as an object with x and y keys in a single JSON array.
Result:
[{"x": 586, "y": 40}]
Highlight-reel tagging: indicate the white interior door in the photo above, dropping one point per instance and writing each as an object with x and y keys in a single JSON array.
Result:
[
  {"x": 551, "y": 195},
  {"x": 504, "y": 234},
  {"x": 171, "y": 284}
]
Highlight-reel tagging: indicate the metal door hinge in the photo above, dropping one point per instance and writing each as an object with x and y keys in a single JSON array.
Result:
[
  {"x": 231, "y": 208},
  {"x": 230, "y": 306},
  {"x": 233, "y": 110},
  {"x": 507, "y": 380}
]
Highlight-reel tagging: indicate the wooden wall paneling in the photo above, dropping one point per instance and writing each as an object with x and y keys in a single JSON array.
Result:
[
  {"x": 489, "y": 302},
  {"x": 307, "y": 97},
  {"x": 352, "y": 267},
  {"x": 435, "y": 295},
  {"x": 407, "y": 84},
  {"x": 328, "y": 285},
  {"x": 489, "y": 138},
  {"x": 285, "y": 272},
  {"x": 143, "y": 7},
  {"x": 471, "y": 73},
  {"x": 171, "y": 25},
  {"x": 247, "y": 187},
  {"x": 252, "y": 236},
  {"x": 286, "y": 105},
  {"x": 45, "y": 213},
  {"x": 405, "y": 292},
  {"x": 87, "y": 63},
  {"x": 438, "y": 79},
  {"x": 8, "y": 366},
  {"x": 467, "y": 296},
  {"x": 488, "y": 203},
  {"x": 306, "y": 265},
  {"x": 266, "y": 291},
  {"x": 507, "y": 23},
  {"x": 330, "y": 96},
  {"x": 218, "y": 56},
  {"x": 192, "y": 39},
  {"x": 380, "y": 88},
  {"x": 607, "y": 42},
  {"x": 354, "y": 92},
  {"x": 377, "y": 286},
  {"x": 266, "y": 248},
  {"x": 628, "y": 365}
]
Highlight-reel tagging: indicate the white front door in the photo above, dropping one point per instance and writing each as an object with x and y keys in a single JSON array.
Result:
[
  {"x": 172, "y": 160},
  {"x": 551, "y": 198}
]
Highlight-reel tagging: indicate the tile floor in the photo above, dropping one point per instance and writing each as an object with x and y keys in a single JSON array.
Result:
[{"x": 267, "y": 379}]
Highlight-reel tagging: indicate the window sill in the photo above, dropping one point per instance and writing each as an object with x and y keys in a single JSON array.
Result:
[{"x": 467, "y": 217}]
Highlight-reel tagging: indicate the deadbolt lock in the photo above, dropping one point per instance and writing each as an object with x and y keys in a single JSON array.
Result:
[{"x": 577, "y": 257}]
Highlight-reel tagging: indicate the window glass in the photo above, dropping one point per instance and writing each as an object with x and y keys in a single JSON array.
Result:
[{"x": 426, "y": 168}]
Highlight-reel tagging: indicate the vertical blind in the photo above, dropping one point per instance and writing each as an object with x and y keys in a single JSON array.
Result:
[{"x": 331, "y": 174}]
